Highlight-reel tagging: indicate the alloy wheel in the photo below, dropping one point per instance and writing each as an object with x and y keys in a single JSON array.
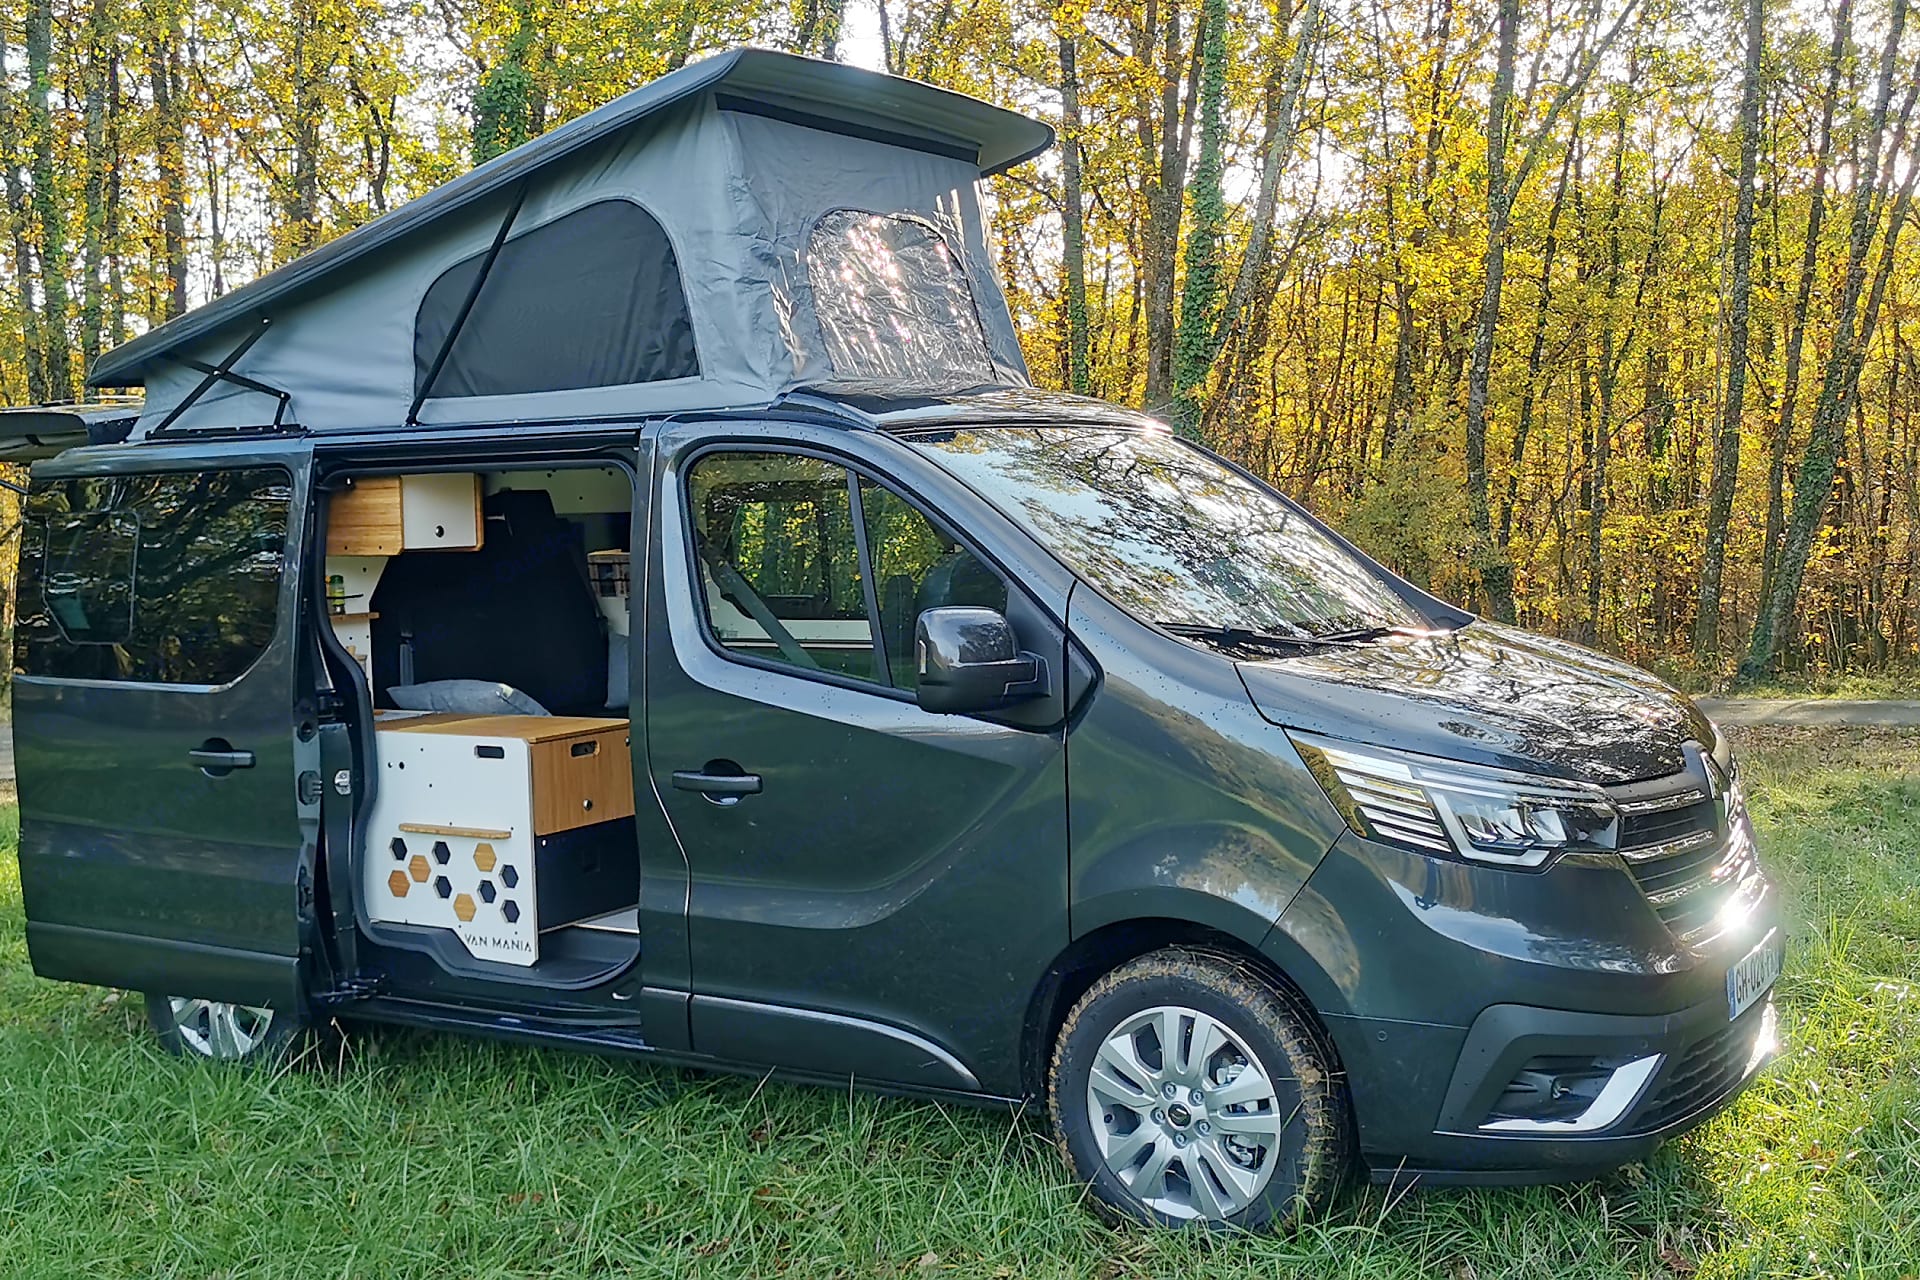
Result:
[
  {"x": 1184, "y": 1114},
  {"x": 218, "y": 1029}
]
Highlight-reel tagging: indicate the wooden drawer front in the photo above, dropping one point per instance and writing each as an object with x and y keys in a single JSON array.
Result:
[{"x": 581, "y": 780}]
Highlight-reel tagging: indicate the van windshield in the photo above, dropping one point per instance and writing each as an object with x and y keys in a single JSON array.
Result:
[{"x": 1168, "y": 533}]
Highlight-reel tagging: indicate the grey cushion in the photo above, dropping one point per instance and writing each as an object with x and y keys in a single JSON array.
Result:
[{"x": 468, "y": 697}]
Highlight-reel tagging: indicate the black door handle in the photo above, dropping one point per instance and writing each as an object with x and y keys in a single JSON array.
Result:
[
  {"x": 216, "y": 758},
  {"x": 725, "y": 787}
]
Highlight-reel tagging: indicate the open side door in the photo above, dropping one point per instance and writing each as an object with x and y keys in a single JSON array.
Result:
[{"x": 163, "y": 726}]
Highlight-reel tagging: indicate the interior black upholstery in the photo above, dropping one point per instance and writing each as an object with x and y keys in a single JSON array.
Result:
[
  {"x": 959, "y": 578},
  {"x": 520, "y": 610}
]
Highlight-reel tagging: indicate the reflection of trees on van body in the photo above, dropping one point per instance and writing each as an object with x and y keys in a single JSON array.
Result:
[{"x": 193, "y": 563}]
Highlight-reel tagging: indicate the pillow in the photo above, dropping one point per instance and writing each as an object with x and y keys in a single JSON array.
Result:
[
  {"x": 468, "y": 697},
  {"x": 616, "y": 672}
]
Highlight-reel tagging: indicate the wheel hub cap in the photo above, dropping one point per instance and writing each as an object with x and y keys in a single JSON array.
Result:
[
  {"x": 218, "y": 1029},
  {"x": 1211, "y": 1152}
]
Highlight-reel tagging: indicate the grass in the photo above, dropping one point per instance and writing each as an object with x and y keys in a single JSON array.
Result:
[
  {"x": 428, "y": 1155},
  {"x": 1900, "y": 680}
]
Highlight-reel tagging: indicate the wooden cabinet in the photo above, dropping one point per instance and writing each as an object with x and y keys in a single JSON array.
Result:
[{"x": 385, "y": 515}]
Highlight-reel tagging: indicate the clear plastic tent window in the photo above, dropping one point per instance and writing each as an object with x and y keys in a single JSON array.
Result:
[{"x": 893, "y": 302}]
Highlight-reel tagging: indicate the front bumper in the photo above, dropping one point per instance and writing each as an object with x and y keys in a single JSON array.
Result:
[
  {"x": 1701, "y": 1062},
  {"x": 1440, "y": 982}
]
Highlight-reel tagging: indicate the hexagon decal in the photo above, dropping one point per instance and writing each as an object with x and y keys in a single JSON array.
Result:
[
  {"x": 483, "y": 856},
  {"x": 399, "y": 848},
  {"x": 511, "y": 910},
  {"x": 487, "y": 891},
  {"x": 443, "y": 886},
  {"x": 442, "y": 854},
  {"x": 509, "y": 877},
  {"x": 419, "y": 869},
  {"x": 464, "y": 908},
  {"x": 397, "y": 883}
]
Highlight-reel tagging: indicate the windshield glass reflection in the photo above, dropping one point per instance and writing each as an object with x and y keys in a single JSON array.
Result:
[{"x": 1168, "y": 533}]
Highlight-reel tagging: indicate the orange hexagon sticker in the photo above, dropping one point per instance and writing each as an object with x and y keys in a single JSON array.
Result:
[
  {"x": 419, "y": 869},
  {"x": 397, "y": 883},
  {"x": 483, "y": 856},
  {"x": 463, "y": 907}
]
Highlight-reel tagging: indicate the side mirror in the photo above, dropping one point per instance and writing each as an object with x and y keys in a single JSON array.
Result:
[{"x": 970, "y": 661}]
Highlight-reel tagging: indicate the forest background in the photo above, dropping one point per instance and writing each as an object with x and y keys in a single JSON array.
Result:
[{"x": 1597, "y": 315}]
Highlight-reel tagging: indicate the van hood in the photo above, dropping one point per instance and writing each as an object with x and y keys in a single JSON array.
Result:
[{"x": 1490, "y": 695}]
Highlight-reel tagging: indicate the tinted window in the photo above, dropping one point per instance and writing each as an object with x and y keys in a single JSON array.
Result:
[
  {"x": 161, "y": 578},
  {"x": 1170, "y": 534},
  {"x": 893, "y": 302},
  {"x": 591, "y": 299}
]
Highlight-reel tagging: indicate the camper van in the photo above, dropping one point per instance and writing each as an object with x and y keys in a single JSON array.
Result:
[{"x": 632, "y": 598}]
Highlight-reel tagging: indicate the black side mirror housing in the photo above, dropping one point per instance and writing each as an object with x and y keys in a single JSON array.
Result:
[{"x": 970, "y": 661}]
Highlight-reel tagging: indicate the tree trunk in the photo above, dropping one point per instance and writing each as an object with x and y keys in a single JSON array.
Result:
[
  {"x": 1781, "y": 443},
  {"x": 1163, "y": 194},
  {"x": 25, "y": 266},
  {"x": 1726, "y": 449},
  {"x": 49, "y": 213},
  {"x": 1839, "y": 380},
  {"x": 170, "y": 148},
  {"x": 98, "y": 161},
  {"x": 1536, "y": 352},
  {"x": 1074, "y": 252},
  {"x": 1200, "y": 299},
  {"x": 1496, "y": 575}
]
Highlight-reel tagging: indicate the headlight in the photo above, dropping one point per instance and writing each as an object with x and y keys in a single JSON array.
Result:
[{"x": 1435, "y": 806}]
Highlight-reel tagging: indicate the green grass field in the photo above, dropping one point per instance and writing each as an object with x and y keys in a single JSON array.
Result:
[{"x": 423, "y": 1155}]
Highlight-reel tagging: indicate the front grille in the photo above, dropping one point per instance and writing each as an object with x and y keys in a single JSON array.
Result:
[
  {"x": 1706, "y": 1072},
  {"x": 1688, "y": 848}
]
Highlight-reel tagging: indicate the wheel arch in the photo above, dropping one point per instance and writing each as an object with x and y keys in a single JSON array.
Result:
[{"x": 1098, "y": 952}]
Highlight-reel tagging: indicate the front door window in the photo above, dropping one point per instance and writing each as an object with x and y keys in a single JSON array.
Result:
[{"x": 804, "y": 564}]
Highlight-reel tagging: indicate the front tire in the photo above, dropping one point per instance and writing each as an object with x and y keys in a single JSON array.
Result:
[
  {"x": 1188, "y": 1087},
  {"x": 222, "y": 1031}
]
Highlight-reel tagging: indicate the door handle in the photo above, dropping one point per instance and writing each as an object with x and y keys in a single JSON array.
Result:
[
  {"x": 217, "y": 758},
  {"x": 723, "y": 787}
]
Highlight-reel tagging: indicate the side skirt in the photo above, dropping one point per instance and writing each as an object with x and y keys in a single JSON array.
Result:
[{"x": 607, "y": 1037}]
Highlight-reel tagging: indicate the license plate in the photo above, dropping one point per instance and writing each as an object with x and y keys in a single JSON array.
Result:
[{"x": 1753, "y": 974}]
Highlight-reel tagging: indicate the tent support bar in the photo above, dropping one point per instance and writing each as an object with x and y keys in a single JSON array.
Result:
[
  {"x": 223, "y": 370},
  {"x": 466, "y": 307},
  {"x": 251, "y": 384}
]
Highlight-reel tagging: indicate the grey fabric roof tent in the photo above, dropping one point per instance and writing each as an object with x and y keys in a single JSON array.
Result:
[{"x": 750, "y": 224}]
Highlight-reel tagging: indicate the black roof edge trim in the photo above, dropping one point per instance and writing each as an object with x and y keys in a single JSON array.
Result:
[{"x": 847, "y": 128}]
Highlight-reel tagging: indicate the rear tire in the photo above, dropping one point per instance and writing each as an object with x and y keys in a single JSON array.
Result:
[
  {"x": 221, "y": 1031},
  {"x": 1244, "y": 1124}
]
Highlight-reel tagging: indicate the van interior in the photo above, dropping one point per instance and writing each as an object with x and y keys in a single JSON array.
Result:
[{"x": 488, "y": 614}]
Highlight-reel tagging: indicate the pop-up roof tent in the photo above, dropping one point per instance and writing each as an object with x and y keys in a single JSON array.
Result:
[{"x": 751, "y": 224}]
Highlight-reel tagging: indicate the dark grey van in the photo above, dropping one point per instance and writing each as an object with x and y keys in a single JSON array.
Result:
[{"x": 907, "y": 726}]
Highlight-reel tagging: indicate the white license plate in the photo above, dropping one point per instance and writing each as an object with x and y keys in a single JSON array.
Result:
[{"x": 1754, "y": 973}]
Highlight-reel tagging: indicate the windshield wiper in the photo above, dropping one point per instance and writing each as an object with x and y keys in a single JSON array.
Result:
[
  {"x": 1243, "y": 636},
  {"x": 1361, "y": 635}
]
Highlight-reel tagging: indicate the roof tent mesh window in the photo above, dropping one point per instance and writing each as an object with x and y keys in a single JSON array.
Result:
[
  {"x": 591, "y": 299},
  {"x": 893, "y": 301}
]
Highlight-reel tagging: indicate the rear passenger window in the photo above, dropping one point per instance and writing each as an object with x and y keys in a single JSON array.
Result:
[
  {"x": 786, "y": 576},
  {"x": 163, "y": 579}
]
